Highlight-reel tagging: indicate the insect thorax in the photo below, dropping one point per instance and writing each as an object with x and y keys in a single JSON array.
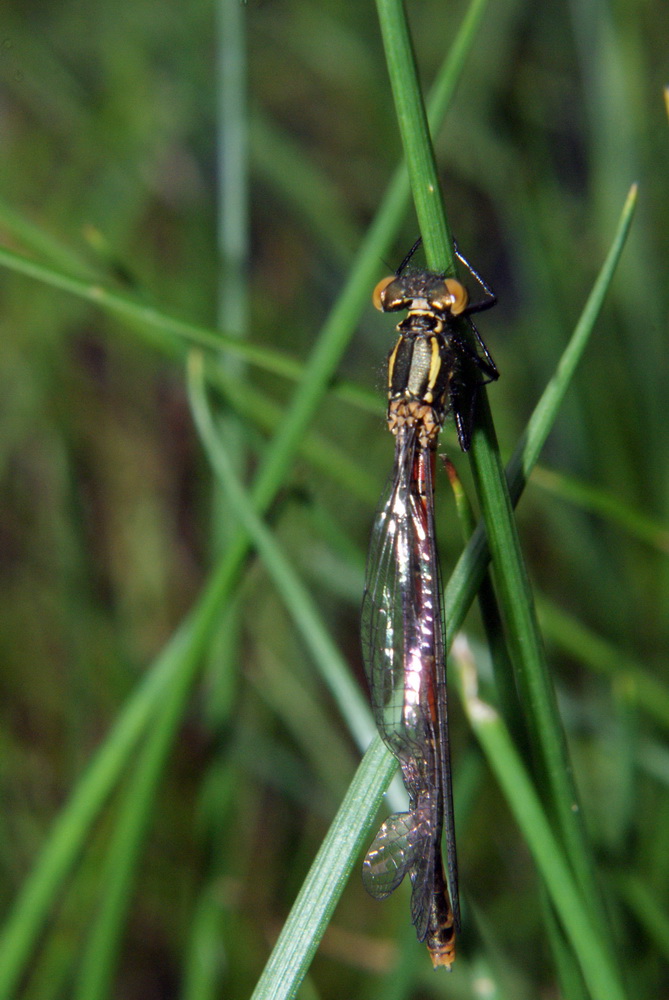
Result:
[{"x": 418, "y": 376}]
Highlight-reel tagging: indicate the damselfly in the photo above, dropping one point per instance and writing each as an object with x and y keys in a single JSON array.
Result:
[{"x": 433, "y": 369}]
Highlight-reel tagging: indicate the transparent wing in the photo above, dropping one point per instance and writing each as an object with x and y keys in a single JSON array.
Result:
[
  {"x": 401, "y": 614},
  {"x": 408, "y": 844},
  {"x": 402, "y": 639},
  {"x": 397, "y": 850},
  {"x": 387, "y": 580}
]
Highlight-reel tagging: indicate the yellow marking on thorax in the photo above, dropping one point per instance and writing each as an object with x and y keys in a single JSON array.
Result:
[
  {"x": 435, "y": 365},
  {"x": 391, "y": 362}
]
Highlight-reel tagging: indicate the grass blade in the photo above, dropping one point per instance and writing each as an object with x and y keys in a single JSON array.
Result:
[
  {"x": 513, "y": 586},
  {"x": 577, "y": 919},
  {"x": 27, "y": 917}
]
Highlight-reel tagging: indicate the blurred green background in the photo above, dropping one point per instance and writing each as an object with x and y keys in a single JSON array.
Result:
[{"x": 113, "y": 168}]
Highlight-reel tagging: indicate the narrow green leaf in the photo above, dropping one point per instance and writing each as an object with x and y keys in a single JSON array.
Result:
[
  {"x": 27, "y": 917},
  {"x": 335, "y": 671},
  {"x": 461, "y": 588},
  {"x": 599, "y": 973},
  {"x": 327, "y": 877},
  {"x": 596, "y": 501},
  {"x": 650, "y": 911}
]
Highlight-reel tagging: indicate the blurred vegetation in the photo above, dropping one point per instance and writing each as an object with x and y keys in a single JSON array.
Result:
[{"x": 119, "y": 144}]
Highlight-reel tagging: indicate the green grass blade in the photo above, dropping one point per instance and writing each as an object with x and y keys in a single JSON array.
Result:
[
  {"x": 25, "y": 921},
  {"x": 203, "y": 963},
  {"x": 39, "y": 241},
  {"x": 111, "y": 175},
  {"x": 515, "y": 595},
  {"x": 96, "y": 971},
  {"x": 528, "y": 658},
  {"x": 649, "y": 911},
  {"x": 577, "y": 919},
  {"x": 355, "y": 294},
  {"x": 413, "y": 125},
  {"x": 526, "y": 453},
  {"x": 612, "y": 508},
  {"x": 27, "y": 917},
  {"x": 491, "y": 619},
  {"x": 352, "y": 704},
  {"x": 513, "y": 585},
  {"x": 143, "y": 314},
  {"x": 567, "y": 970},
  {"x": 467, "y": 574},
  {"x": 533, "y": 678},
  {"x": 70, "y": 831},
  {"x": 631, "y": 679},
  {"x": 514, "y": 590},
  {"x": 232, "y": 166},
  {"x": 327, "y": 877},
  {"x": 99, "y": 960}
]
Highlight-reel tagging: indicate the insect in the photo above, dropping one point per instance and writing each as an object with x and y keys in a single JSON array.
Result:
[{"x": 433, "y": 369}]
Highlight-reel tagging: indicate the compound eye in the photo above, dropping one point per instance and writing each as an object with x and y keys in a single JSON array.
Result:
[
  {"x": 454, "y": 298},
  {"x": 377, "y": 294},
  {"x": 459, "y": 296}
]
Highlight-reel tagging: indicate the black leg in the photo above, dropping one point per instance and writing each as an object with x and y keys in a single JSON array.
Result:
[
  {"x": 490, "y": 298},
  {"x": 485, "y": 364},
  {"x": 408, "y": 257}
]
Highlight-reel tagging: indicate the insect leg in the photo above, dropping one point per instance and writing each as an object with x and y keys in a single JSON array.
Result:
[{"x": 490, "y": 298}]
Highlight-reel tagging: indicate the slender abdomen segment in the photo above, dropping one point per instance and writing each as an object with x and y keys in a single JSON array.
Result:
[
  {"x": 440, "y": 938},
  {"x": 441, "y": 946}
]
